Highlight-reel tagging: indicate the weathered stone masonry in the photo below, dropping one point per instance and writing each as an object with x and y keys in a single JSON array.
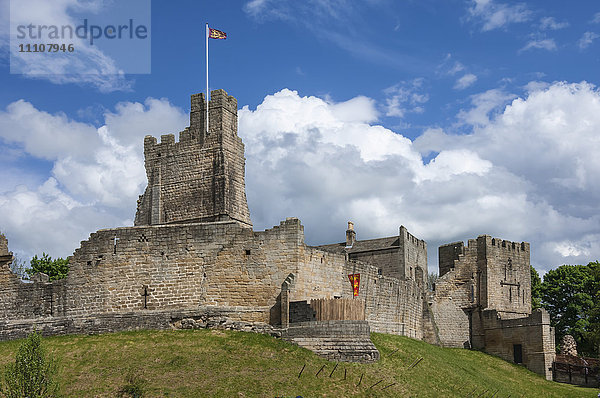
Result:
[
  {"x": 201, "y": 177},
  {"x": 193, "y": 260},
  {"x": 483, "y": 300}
]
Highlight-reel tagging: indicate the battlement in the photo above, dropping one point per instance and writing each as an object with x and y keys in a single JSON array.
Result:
[
  {"x": 200, "y": 177},
  {"x": 506, "y": 244},
  {"x": 410, "y": 238}
]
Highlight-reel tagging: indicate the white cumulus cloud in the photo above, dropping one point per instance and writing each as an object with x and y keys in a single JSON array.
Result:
[
  {"x": 95, "y": 176},
  {"x": 465, "y": 81},
  {"x": 495, "y": 15},
  {"x": 587, "y": 39},
  {"x": 524, "y": 168},
  {"x": 541, "y": 44}
]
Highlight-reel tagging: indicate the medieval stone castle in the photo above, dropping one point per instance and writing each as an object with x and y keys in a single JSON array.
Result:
[{"x": 193, "y": 260}]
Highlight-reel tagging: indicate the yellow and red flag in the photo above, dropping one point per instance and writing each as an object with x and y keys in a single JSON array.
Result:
[
  {"x": 216, "y": 34},
  {"x": 355, "y": 281}
]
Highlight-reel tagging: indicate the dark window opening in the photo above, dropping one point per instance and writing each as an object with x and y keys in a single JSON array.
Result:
[
  {"x": 379, "y": 271},
  {"x": 518, "y": 353},
  {"x": 247, "y": 252}
]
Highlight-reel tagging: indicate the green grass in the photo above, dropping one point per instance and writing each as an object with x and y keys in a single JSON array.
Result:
[{"x": 211, "y": 363}]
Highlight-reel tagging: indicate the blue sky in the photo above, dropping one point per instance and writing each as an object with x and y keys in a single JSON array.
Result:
[{"x": 454, "y": 118}]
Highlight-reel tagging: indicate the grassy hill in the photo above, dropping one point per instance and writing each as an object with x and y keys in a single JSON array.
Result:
[{"x": 212, "y": 363}]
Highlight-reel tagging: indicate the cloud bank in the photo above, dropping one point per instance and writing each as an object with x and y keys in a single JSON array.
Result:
[
  {"x": 95, "y": 177},
  {"x": 525, "y": 169}
]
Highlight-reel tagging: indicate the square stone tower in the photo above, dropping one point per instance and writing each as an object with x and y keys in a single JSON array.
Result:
[
  {"x": 201, "y": 177},
  {"x": 495, "y": 272}
]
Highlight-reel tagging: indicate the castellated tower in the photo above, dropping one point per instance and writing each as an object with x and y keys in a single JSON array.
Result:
[
  {"x": 497, "y": 271},
  {"x": 201, "y": 177}
]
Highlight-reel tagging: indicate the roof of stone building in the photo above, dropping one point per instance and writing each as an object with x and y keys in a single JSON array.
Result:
[{"x": 363, "y": 245}]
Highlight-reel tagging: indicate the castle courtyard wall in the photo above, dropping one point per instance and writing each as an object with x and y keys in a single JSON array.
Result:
[{"x": 391, "y": 305}]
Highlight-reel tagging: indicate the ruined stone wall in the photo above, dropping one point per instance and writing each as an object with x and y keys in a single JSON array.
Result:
[
  {"x": 447, "y": 255},
  {"x": 533, "y": 333},
  {"x": 181, "y": 267},
  {"x": 167, "y": 267},
  {"x": 456, "y": 293},
  {"x": 201, "y": 177},
  {"x": 414, "y": 256},
  {"x": 21, "y": 300}
]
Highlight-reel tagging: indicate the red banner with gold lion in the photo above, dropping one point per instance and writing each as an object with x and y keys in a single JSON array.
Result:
[{"x": 355, "y": 282}]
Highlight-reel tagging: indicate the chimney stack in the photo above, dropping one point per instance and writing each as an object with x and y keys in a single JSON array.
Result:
[{"x": 350, "y": 234}]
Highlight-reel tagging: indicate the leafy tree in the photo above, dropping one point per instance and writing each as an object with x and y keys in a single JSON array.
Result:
[
  {"x": 432, "y": 278},
  {"x": 593, "y": 334},
  {"x": 32, "y": 374},
  {"x": 569, "y": 296},
  {"x": 55, "y": 269},
  {"x": 536, "y": 289},
  {"x": 18, "y": 266}
]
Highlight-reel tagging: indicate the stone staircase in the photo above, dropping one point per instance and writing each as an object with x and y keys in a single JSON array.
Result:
[{"x": 347, "y": 341}]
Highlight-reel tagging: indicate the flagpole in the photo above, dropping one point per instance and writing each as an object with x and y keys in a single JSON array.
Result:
[{"x": 207, "y": 30}]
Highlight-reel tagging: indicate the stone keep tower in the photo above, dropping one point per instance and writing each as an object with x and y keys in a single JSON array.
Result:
[
  {"x": 495, "y": 271},
  {"x": 201, "y": 177}
]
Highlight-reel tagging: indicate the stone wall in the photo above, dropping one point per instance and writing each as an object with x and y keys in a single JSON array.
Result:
[
  {"x": 166, "y": 267},
  {"x": 456, "y": 293},
  {"x": 4, "y": 246},
  {"x": 532, "y": 333},
  {"x": 506, "y": 283},
  {"x": 219, "y": 265},
  {"x": 301, "y": 311},
  {"x": 414, "y": 255},
  {"x": 201, "y": 177},
  {"x": 391, "y": 305},
  {"x": 387, "y": 261},
  {"x": 203, "y": 317},
  {"x": 483, "y": 300}
]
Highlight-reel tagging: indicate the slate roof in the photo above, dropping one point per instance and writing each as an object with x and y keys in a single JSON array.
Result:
[{"x": 363, "y": 245}]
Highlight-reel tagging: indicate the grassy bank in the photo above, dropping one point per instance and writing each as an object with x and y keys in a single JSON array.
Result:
[{"x": 211, "y": 363}]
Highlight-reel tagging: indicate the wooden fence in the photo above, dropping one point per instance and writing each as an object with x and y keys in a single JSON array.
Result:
[
  {"x": 576, "y": 370},
  {"x": 338, "y": 309}
]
